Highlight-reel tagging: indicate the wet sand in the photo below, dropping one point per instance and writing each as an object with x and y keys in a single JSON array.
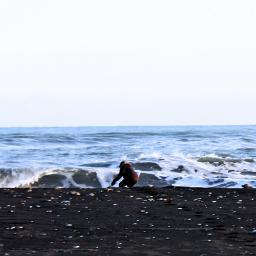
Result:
[{"x": 138, "y": 221}]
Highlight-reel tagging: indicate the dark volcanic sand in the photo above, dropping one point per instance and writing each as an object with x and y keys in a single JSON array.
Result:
[{"x": 138, "y": 221}]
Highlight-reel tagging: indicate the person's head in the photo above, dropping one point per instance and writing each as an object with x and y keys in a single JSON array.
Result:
[{"x": 122, "y": 163}]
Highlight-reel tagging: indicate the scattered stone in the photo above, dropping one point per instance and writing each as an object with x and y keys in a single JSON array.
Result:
[
  {"x": 147, "y": 166},
  {"x": 146, "y": 179},
  {"x": 87, "y": 178},
  {"x": 180, "y": 169},
  {"x": 75, "y": 193},
  {"x": 50, "y": 181},
  {"x": 247, "y": 186},
  {"x": 211, "y": 160}
]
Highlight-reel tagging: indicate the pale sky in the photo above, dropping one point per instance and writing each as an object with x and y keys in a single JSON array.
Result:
[{"x": 134, "y": 62}]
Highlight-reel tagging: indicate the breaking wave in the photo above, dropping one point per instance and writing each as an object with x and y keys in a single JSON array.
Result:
[{"x": 207, "y": 171}]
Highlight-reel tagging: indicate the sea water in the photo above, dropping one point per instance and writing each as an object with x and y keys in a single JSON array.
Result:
[{"x": 200, "y": 156}]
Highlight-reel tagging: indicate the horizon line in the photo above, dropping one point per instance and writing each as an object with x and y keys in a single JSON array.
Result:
[{"x": 114, "y": 125}]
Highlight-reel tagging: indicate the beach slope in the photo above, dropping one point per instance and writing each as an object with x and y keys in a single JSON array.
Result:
[{"x": 138, "y": 221}]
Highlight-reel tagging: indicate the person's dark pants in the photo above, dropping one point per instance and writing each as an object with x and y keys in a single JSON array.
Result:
[{"x": 128, "y": 183}]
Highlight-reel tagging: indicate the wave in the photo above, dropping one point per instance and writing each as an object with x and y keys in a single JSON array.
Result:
[
  {"x": 49, "y": 178},
  {"x": 154, "y": 169},
  {"x": 71, "y": 177},
  {"x": 217, "y": 161}
]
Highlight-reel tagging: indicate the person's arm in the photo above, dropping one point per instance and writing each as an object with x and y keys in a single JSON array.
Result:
[{"x": 118, "y": 177}]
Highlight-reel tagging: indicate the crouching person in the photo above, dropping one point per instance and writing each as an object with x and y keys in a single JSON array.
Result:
[{"x": 130, "y": 177}]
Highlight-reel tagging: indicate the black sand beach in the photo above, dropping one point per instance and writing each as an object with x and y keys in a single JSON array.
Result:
[{"x": 138, "y": 221}]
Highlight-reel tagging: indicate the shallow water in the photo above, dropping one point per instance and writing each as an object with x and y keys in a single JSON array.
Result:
[{"x": 205, "y": 156}]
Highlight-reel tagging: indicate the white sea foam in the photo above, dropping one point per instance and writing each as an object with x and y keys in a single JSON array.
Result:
[
  {"x": 205, "y": 176},
  {"x": 149, "y": 156}
]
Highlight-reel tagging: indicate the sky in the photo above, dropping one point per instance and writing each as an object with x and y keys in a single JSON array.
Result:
[{"x": 136, "y": 62}]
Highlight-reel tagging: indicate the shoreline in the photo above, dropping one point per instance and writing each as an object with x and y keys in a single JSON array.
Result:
[{"x": 137, "y": 221}]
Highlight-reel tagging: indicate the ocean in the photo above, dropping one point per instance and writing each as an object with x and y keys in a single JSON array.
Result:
[{"x": 194, "y": 156}]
